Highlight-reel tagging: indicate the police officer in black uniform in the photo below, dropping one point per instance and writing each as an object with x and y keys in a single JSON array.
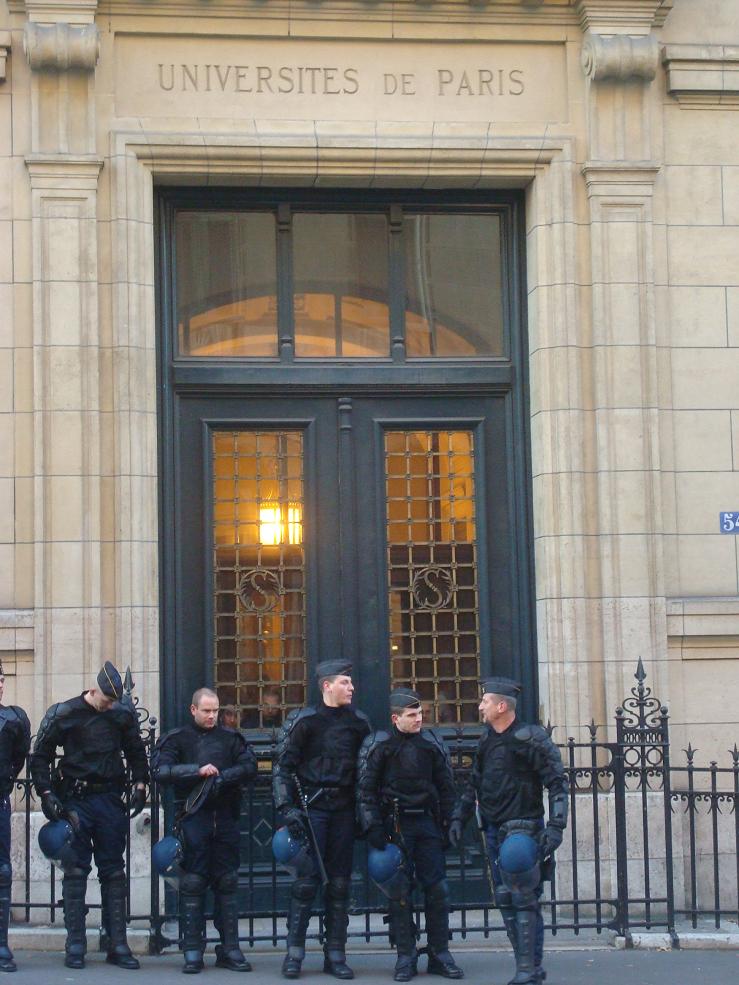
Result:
[
  {"x": 15, "y": 741},
  {"x": 87, "y": 788},
  {"x": 406, "y": 794},
  {"x": 316, "y": 765},
  {"x": 213, "y": 763},
  {"x": 514, "y": 762}
]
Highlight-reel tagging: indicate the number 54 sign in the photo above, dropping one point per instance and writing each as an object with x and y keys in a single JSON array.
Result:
[{"x": 729, "y": 522}]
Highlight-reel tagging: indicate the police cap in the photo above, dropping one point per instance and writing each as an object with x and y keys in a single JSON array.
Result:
[
  {"x": 109, "y": 681},
  {"x": 333, "y": 668},
  {"x": 404, "y": 697},
  {"x": 504, "y": 686}
]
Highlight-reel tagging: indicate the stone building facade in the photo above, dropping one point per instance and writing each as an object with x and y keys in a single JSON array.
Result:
[{"x": 613, "y": 123}]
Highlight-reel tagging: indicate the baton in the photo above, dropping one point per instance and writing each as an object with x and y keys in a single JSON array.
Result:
[
  {"x": 312, "y": 834},
  {"x": 485, "y": 853}
]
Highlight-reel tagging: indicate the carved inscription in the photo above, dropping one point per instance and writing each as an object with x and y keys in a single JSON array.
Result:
[
  {"x": 316, "y": 80},
  {"x": 302, "y": 79}
]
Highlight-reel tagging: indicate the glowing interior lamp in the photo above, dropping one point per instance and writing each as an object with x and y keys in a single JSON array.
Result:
[{"x": 280, "y": 525}]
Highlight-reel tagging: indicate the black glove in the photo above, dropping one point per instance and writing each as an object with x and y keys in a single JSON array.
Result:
[
  {"x": 454, "y": 834},
  {"x": 52, "y": 807},
  {"x": 377, "y": 838},
  {"x": 551, "y": 839},
  {"x": 294, "y": 822},
  {"x": 215, "y": 790},
  {"x": 138, "y": 801}
]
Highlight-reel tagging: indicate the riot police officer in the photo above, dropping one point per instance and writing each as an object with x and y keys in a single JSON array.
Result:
[
  {"x": 212, "y": 763},
  {"x": 406, "y": 794},
  {"x": 15, "y": 741},
  {"x": 87, "y": 788},
  {"x": 513, "y": 763},
  {"x": 314, "y": 789}
]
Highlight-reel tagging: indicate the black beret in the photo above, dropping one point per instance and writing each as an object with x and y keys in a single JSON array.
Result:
[
  {"x": 501, "y": 685},
  {"x": 109, "y": 681},
  {"x": 333, "y": 668},
  {"x": 404, "y": 697}
]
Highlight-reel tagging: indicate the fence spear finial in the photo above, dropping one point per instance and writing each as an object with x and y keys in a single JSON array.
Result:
[{"x": 640, "y": 674}]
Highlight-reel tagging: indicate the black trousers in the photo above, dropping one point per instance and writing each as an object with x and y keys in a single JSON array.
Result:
[{"x": 210, "y": 841}]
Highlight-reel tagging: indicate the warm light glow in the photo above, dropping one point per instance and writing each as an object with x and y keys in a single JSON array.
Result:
[{"x": 280, "y": 525}]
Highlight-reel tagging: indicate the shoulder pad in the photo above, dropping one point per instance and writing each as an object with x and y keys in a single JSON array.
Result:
[
  {"x": 169, "y": 735},
  {"x": 434, "y": 737},
  {"x": 297, "y": 715},
  {"x": 531, "y": 733},
  {"x": 361, "y": 715},
  {"x": 373, "y": 740}
]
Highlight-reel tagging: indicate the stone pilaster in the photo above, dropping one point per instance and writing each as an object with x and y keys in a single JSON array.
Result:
[{"x": 60, "y": 42}]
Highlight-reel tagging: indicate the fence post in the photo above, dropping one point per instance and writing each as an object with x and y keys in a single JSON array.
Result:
[
  {"x": 621, "y": 921},
  {"x": 667, "y": 792}
]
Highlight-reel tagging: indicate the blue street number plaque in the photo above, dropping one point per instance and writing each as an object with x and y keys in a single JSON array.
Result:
[{"x": 729, "y": 522}]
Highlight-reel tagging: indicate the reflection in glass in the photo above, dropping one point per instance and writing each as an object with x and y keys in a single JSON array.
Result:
[
  {"x": 340, "y": 269},
  {"x": 226, "y": 284},
  {"x": 259, "y": 573},
  {"x": 432, "y": 570},
  {"x": 453, "y": 285}
]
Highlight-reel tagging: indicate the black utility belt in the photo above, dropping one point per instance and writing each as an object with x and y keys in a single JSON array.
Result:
[{"x": 85, "y": 788}]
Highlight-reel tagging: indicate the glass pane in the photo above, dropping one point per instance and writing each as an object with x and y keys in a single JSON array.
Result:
[
  {"x": 340, "y": 268},
  {"x": 432, "y": 570},
  {"x": 259, "y": 574},
  {"x": 226, "y": 284},
  {"x": 453, "y": 282}
]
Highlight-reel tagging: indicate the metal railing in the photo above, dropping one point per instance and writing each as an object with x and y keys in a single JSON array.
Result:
[{"x": 650, "y": 844}]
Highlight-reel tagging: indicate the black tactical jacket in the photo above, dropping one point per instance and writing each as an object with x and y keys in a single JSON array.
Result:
[
  {"x": 15, "y": 741},
  {"x": 319, "y": 746},
  {"x": 94, "y": 744},
  {"x": 413, "y": 769},
  {"x": 180, "y": 753},
  {"x": 509, "y": 772}
]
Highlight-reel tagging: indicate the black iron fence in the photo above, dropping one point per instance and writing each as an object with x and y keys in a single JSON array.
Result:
[{"x": 651, "y": 844}]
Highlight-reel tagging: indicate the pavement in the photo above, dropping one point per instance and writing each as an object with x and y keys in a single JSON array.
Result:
[{"x": 568, "y": 965}]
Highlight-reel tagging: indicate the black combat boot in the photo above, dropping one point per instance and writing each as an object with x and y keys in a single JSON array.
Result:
[
  {"x": 226, "y": 920},
  {"x": 403, "y": 935},
  {"x": 298, "y": 917},
  {"x": 113, "y": 893},
  {"x": 74, "y": 888},
  {"x": 337, "y": 921},
  {"x": 437, "y": 932},
  {"x": 192, "y": 928},
  {"x": 6, "y": 955},
  {"x": 526, "y": 971}
]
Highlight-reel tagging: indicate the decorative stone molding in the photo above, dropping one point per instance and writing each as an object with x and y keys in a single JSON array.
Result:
[
  {"x": 619, "y": 57},
  {"x": 623, "y": 16},
  {"x": 4, "y": 52},
  {"x": 61, "y": 47},
  {"x": 704, "y": 628},
  {"x": 702, "y": 75}
]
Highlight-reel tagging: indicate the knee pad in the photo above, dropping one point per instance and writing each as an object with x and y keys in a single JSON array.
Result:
[
  {"x": 117, "y": 876},
  {"x": 338, "y": 888},
  {"x": 192, "y": 884},
  {"x": 523, "y": 886},
  {"x": 397, "y": 888},
  {"x": 75, "y": 872},
  {"x": 305, "y": 889},
  {"x": 438, "y": 893},
  {"x": 503, "y": 898},
  {"x": 6, "y": 874},
  {"x": 227, "y": 883}
]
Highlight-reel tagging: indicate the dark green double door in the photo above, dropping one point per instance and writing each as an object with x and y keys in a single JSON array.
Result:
[{"x": 377, "y": 529}]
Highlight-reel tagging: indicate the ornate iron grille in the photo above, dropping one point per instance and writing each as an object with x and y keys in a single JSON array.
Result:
[
  {"x": 259, "y": 573},
  {"x": 432, "y": 570}
]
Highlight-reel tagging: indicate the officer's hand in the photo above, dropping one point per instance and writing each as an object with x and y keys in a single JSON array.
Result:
[
  {"x": 377, "y": 838},
  {"x": 52, "y": 807},
  {"x": 455, "y": 832},
  {"x": 215, "y": 789},
  {"x": 208, "y": 770},
  {"x": 138, "y": 801},
  {"x": 294, "y": 822},
  {"x": 551, "y": 839}
]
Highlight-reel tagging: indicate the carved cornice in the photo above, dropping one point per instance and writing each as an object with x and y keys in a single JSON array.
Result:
[
  {"x": 61, "y": 47},
  {"x": 620, "y": 179},
  {"x": 4, "y": 52},
  {"x": 623, "y": 16},
  {"x": 619, "y": 57},
  {"x": 73, "y": 172}
]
